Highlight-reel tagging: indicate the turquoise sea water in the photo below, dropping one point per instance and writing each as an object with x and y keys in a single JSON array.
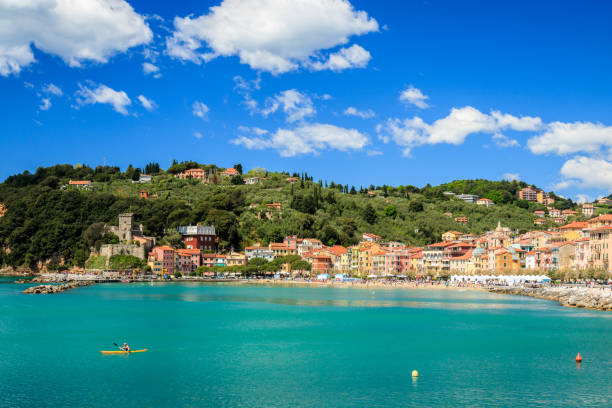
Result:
[{"x": 219, "y": 345}]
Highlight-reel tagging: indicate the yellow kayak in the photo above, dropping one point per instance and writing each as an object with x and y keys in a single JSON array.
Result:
[{"x": 123, "y": 352}]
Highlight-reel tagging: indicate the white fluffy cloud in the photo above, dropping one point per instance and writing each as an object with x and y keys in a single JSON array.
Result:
[
  {"x": 75, "y": 30},
  {"x": 453, "y": 129},
  {"x": 45, "y": 104},
  {"x": 354, "y": 56},
  {"x": 276, "y": 36},
  {"x": 197, "y": 135},
  {"x": 511, "y": 177},
  {"x": 304, "y": 139},
  {"x": 414, "y": 96},
  {"x": 293, "y": 103},
  {"x": 583, "y": 198},
  {"x": 200, "y": 110},
  {"x": 146, "y": 103},
  {"x": 352, "y": 111},
  {"x": 52, "y": 89},
  {"x": 119, "y": 100},
  {"x": 586, "y": 172},
  {"x": 149, "y": 68},
  {"x": 566, "y": 138},
  {"x": 502, "y": 140}
]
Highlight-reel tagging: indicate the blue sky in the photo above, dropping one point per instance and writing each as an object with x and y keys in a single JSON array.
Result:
[{"x": 366, "y": 92}]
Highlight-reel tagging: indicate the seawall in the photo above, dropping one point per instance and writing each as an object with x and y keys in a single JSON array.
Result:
[{"x": 588, "y": 298}]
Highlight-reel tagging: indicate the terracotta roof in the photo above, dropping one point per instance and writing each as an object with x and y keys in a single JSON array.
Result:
[
  {"x": 338, "y": 250},
  {"x": 467, "y": 255},
  {"x": 603, "y": 217},
  {"x": 165, "y": 248},
  {"x": 441, "y": 244},
  {"x": 230, "y": 172},
  {"x": 575, "y": 225},
  {"x": 608, "y": 228},
  {"x": 188, "y": 252},
  {"x": 454, "y": 232},
  {"x": 278, "y": 245},
  {"x": 530, "y": 253},
  {"x": 79, "y": 182}
]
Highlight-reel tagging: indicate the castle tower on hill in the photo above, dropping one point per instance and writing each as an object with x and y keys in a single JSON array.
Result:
[{"x": 124, "y": 231}]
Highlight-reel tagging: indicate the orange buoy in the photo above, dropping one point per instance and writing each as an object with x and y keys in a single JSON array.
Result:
[{"x": 579, "y": 358}]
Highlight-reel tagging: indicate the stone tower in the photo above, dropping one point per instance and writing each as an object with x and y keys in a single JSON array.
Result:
[{"x": 126, "y": 221}]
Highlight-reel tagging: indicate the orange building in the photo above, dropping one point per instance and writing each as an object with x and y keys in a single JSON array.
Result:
[
  {"x": 199, "y": 174},
  {"x": 230, "y": 172}
]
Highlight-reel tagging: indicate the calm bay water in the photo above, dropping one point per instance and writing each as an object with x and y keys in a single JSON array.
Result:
[{"x": 216, "y": 345}]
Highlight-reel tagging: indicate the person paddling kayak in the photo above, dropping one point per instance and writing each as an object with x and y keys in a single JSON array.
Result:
[{"x": 125, "y": 347}]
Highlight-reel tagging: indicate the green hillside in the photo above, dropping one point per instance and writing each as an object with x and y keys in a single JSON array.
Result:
[{"x": 46, "y": 219}]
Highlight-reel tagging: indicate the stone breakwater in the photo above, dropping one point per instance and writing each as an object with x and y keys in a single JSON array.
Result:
[
  {"x": 588, "y": 298},
  {"x": 50, "y": 289}
]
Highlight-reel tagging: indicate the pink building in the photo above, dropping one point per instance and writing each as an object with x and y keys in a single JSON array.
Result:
[
  {"x": 396, "y": 262},
  {"x": 165, "y": 256},
  {"x": 583, "y": 253},
  {"x": 188, "y": 260}
]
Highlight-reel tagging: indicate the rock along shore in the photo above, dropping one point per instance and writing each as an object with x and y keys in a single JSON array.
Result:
[
  {"x": 50, "y": 289},
  {"x": 588, "y": 298}
]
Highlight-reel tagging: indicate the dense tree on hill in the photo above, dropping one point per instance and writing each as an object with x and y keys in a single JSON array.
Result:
[
  {"x": 415, "y": 206},
  {"x": 237, "y": 180},
  {"x": 152, "y": 169},
  {"x": 369, "y": 214},
  {"x": 238, "y": 168},
  {"x": 47, "y": 222}
]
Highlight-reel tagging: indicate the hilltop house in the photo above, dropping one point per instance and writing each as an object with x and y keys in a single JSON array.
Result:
[
  {"x": 461, "y": 220},
  {"x": 452, "y": 236},
  {"x": 230, "y": 172},
  {"x": 252, "y": 180},
  {"x": 468, "y": 198},
  {"x": 370, "y": 237},
  {"x": 143, "y": 178},
  {"x": 588, "y": 210},
  {"x": 86, "y": 184},
  {"x": 199, "y": 174},
  {"x": 485, "y": 201}
]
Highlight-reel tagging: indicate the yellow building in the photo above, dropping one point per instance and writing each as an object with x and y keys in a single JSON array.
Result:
[
  {"x": 505, "y": 261},
  {"x": 366, "y": 251},
  {"x": 573, "y": 231},
  {"x": 452, "y": 236}
]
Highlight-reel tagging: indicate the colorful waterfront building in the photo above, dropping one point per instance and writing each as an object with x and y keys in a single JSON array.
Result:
[
  {"x": 253, "y": 252},
  {"x": 601, "y": 248},
  {"x": 187, "y": 260},
  {"x": 162, "y": 259},
  {"x": 199, "y": 237}
]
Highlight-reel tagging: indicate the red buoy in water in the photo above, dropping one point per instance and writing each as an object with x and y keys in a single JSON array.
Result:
[{"x": 579, "y": 358}]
